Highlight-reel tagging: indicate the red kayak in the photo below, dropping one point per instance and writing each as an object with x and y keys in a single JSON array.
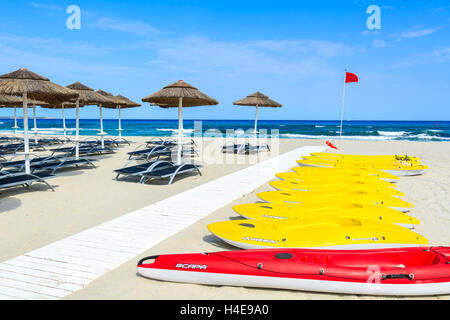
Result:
[{"x": 396, "y": 271}]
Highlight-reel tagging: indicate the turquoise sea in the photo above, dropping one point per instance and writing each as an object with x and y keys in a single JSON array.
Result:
[{"x": 308, "y": 129}]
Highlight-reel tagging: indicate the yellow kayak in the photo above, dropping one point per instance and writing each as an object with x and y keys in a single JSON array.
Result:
[
  {"x": 363, "y": 161},
  {"x": 297, "y": 186},
  {"x": 330, "y": 233},
  {"x": 357, "y": 156},
  {"x": 398, "y": 170},
  {"x": 322, "y": 180},
  {"x": 321, "y": 199},
  {"x": 282, "y": 211},
  {"x": 333, "y": 172}
]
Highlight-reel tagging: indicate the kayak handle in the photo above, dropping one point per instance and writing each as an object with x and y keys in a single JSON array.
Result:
[
  {"x": 397, "y": 276},
  {"x": 146, "y": 258}
]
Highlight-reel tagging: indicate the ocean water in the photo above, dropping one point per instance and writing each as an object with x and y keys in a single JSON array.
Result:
[{"x": 286, "y": 129}]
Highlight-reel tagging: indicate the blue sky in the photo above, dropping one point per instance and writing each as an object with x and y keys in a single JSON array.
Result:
[{"x": 293, "y": 51}]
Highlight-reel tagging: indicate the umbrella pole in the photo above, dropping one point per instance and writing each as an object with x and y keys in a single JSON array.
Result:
[
  {"x": 64, "y": 120},
  {"x": 342, "y": 107},
  {"x": 25, "y": 134},
  {"x": 180, "y": 129},
  {"x": 120, "y": 125},
  {"x": 77, "y": 144},
  {"x": 101, "y": 127},
  {"x": 256, "y": 124},
  {"x": 35, "y": 124},
  {"x": 15, "y": 121}
]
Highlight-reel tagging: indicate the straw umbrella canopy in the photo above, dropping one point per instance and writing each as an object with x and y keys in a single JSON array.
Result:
[
  {"x": 257, "y": 100},
  {"x": 179, "y": 95},
  {"x": 111, "y": 102},
  {"x": 27, "y": 84},
  {"x": 86, "y": 96},
  {"x": 125, "y": 103}
]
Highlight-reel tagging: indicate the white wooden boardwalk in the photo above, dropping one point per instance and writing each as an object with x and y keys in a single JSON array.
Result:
[{"x": 58, "y": 269}]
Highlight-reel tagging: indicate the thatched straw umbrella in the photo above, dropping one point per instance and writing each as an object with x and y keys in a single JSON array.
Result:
[
  {"x": 125, "y": 104},
  {"x": 180, "y": 94},
  {"x": 87, "y": 96},
  {"x": 28, "y": 84},
  {"x": 112, "y": 102},
  {"x": 257, "y": 99}
]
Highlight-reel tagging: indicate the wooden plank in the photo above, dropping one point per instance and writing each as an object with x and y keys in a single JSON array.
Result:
[
  {"x": 35, "y": 288},
  {"x": 64, "y": 267},
  {"x": 50, "y": 269},
  {"x": 51, "y": 283},
  {"x": 44, "y": 274},
  {"x": 69, "y": 259},
  {"x": 23, "y": 294}
]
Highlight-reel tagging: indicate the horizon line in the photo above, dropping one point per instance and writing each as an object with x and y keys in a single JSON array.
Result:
[{"x": 259, "y": 120}]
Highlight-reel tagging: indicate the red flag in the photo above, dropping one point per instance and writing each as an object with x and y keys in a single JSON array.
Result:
[
  {"x": 350, "y": 77},
  {"x": 328, "y": 143}
]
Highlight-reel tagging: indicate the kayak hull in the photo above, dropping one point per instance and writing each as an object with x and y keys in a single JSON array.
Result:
[
  {"x": 294, "y": 212},
  {"x": 395, "y": 170},
  {"x": 282, "y": 185},
  {"x": 362, "y": 246},
  {"x": 299, "y": 197},
  {"x": 405, "y": 173},
  {"x": 389, "y": 272},
  {"x": 341, "y": 233}
]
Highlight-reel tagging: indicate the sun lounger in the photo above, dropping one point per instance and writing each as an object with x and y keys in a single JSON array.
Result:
[
  {"x": 15, "y": 147},
  {"x": 139, "y": 169},
  {"x": 148, "y": 153},
  {"x": 244, "y": 148},
  {"x": 173, "y": 152},
  {"x": 121, "y": 140},
  {"x": 14, "y": 179},
  {"x": 168, "y": 172},
  {"x": 49, "y": 141},
  {"x": 169, "y": 142},
  {"x": 59, "y": 163},
  {"x": 83, "y": 149},
  {"x": 93, "y": 141},
  {"x": 20, "y": 164}
]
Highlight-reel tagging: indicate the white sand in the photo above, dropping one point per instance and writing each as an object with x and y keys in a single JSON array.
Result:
[{"x": 87, "y": 197}]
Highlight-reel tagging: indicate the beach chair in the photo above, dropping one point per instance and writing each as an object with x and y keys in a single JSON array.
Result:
[
  {"x": 15, "y": 147},
  {"x": 139, "y": 169},
  {"x": 159, "y": 141},
  {"x": 244, "y": 148},
  {"x": 20, "y": 164},
  {"x": 85, "y": 149},
  {"x": 121, "y": 141},
  {"x": 168, "y": 172},
  {"x": 169, "y": 152},
  {"x": 59, "y": 163},
  {"x": 14, "y": 179},
  {"x": 49, "y": 141},
  {"x": 147, "y": 153},
  {"x": 169, "y": 142}
]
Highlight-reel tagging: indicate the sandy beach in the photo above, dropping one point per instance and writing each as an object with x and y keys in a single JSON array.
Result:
[{"x": 84, "y": 198}]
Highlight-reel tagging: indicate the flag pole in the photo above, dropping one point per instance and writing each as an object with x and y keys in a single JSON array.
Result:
[{"x": 342, "y": 108}]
